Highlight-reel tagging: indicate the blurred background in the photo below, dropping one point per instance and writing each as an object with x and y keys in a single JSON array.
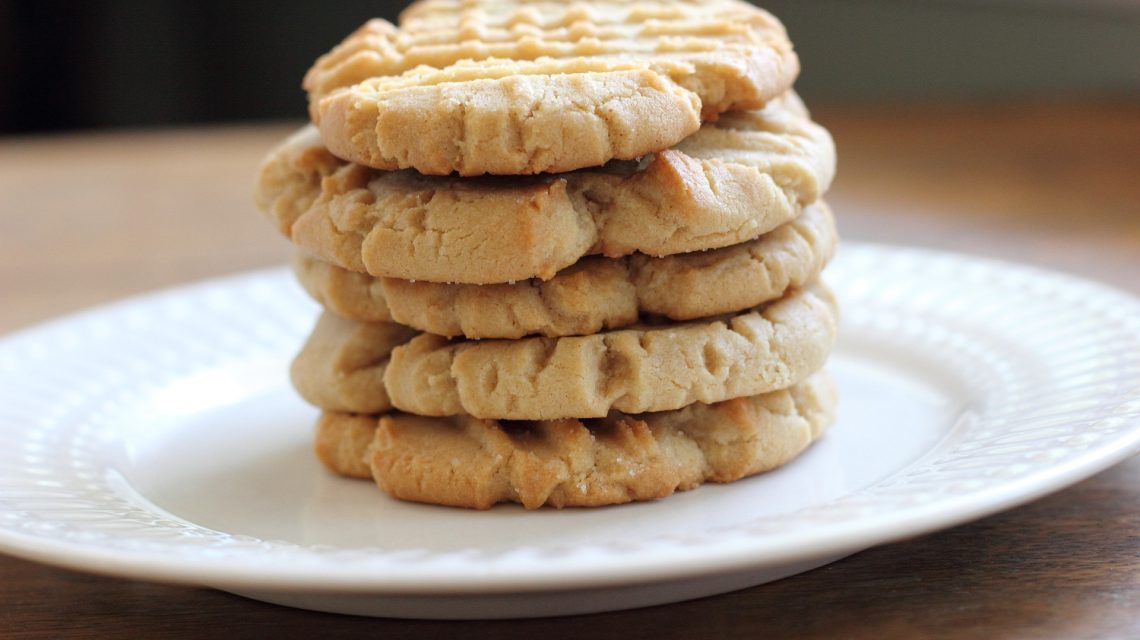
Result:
[{"x": 131, "y": 63}]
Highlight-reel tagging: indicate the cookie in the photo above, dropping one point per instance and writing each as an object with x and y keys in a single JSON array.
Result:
[
  {"x": 653, "y": 368},
  {"x": 348, "y": 294},
  {"x": 341, "y": 367},
  {"x": 508, "y": 118},
  {"x": 513, "y": 88},
  {"x": 466, "y": 462},
  {"x": 343, "y": 441},
  {"x": 592, "y": 295},
  {"x": 729, "y": 183}
]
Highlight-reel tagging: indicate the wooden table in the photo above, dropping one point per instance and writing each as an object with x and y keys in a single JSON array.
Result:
[{"x": 87, "y": 219}]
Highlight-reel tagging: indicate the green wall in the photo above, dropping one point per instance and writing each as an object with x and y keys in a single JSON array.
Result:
[{"x": 877, "y": 49}]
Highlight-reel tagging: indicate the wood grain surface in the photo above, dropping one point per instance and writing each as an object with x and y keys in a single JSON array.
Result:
[{"x": 89, "y": 219}]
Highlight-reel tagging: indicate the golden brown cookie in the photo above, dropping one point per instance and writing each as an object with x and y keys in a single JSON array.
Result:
[
  {"x": 466, "y": 462},
  {"x": 348, "y": 294},
  {"x": 342, "y": 441},
  {"x": 341, "y": 366},
  {"x": 511, "y": 88},
  {"x": 729, "y": 183},
  {"x": 592, "y": 295},
  {"x": 654, "y": 368}
]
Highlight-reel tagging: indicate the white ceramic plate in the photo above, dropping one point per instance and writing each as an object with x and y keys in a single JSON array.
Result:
[{"x": 158, "y": 439}]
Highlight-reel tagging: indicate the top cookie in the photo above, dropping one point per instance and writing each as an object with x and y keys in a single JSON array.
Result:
[{"x": 513, "y": 87}]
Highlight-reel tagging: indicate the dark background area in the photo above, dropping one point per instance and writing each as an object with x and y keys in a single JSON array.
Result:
[{"x": 129, "y": 63}]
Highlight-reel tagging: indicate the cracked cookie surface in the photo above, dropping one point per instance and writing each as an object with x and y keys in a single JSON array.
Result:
[
  {"x": 341, "y": 367},
  {"x": 729, "y": 183},
  {"x": 592, "y": 295},
  {"x": 651, "y": 368},
  {"x": 507, "y": 87},
  {"x": 466, "y": 462}
]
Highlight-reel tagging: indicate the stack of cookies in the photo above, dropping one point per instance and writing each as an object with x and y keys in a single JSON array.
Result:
[{"x": 569, "y": 253}]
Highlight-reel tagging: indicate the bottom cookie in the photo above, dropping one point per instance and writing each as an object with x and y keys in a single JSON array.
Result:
[{"x": 466, "y": 462}]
